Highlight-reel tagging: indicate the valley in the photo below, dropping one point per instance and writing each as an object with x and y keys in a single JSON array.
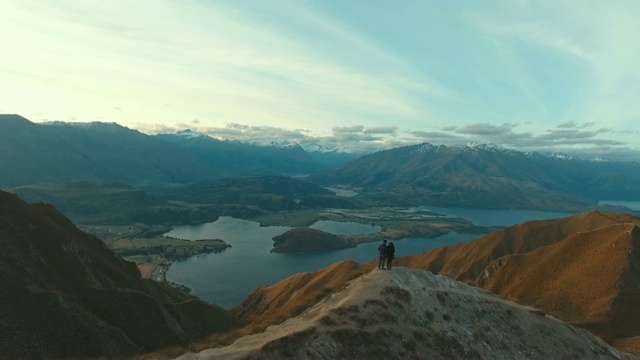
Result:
[{"x": 208, "y": 241}]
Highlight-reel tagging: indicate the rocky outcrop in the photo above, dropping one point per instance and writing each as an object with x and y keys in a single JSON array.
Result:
[{"x": 66, "y": 295}]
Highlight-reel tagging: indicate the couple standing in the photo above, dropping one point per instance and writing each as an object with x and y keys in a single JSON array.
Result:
[{"x": 387, "y": 252}]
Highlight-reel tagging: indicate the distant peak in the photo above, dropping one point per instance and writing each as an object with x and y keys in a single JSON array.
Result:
[
  {"x": 14, "y": 118},
  {"x": 484, "y": 146},
  {"x": 271, "y": 143},
  {"x": 188, "y": 133},
  {"x": 423, "y": 148},
  {"x": 562, "y": 156}
]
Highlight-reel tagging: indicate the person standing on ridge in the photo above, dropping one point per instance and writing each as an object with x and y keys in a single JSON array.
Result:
[
  {"x": 383, "y": 254},
  {"x": 391, "y": 254}
]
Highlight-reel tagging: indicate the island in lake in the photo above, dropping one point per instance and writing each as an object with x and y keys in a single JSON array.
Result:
[{"x": 301, "y": 240}]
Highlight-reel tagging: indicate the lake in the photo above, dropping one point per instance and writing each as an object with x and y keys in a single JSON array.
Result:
[
  {"x": 227, "y": 278},
  {"x": 491, "y": 217}
]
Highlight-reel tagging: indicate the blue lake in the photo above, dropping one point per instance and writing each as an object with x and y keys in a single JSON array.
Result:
[
  {"x": 489, "y": 217},
  {"x": 229, "y": 277}
]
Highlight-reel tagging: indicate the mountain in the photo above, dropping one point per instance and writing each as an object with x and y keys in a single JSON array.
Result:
[
  {"x": 62, "y": 152},
  {"x": 486, "y": 177},
  {"x": 411, "y": 314},
  {"x": 66, "y": 295},
  {"x": 581, "y": 269},
  {"x": 59, "y": 152},
  {"x": 239, "y": 158}
]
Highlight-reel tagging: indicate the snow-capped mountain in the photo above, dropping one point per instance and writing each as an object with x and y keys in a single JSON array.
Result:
[{"x": 486, "y": 176}]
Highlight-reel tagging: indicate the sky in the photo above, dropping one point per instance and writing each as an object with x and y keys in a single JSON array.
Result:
[{"x": 546, "y": 76}]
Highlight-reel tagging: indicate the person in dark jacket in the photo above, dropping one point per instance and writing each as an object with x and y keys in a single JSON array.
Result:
[
  {"x": 382, "y": 249},
  {"x": 391, "y": 254}
]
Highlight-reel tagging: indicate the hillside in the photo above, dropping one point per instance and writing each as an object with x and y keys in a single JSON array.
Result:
[
  {"x": 582, "y": 269},
  {"x": 66, "y": 295},
  {"x": 485, "y": 177},
  {"x": 588, "y": 279},
  {"x": 413, "y": 314},
  {"x": 465, "y": 261}
]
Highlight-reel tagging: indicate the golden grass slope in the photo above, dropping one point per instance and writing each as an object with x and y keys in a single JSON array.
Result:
[
  {"x": 589, "y": 279},
  {"x": 287, "y": 298},
  {"x": 582, "y": 269},
  {"x": 465, "y": 261}
]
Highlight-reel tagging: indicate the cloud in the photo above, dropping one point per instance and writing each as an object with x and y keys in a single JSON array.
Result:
[
  {"x": 348, "y": 129},
  {"x": 575, "y": 124},
  {"x": 381, "y": 130},
  {"x": 433, "y": 135},
  {"x": 484, "y": 129},
  {"x": 568, "y": 124}
]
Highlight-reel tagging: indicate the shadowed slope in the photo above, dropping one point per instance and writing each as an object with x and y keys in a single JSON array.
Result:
[{"x": 66, "y": 295}]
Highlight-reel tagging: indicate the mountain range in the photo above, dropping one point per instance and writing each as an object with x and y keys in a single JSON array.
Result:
[
  {"x": 61, "y": 152},
  {"x": 485, "y": 176},
  {"x": 480, "y": 176}
]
